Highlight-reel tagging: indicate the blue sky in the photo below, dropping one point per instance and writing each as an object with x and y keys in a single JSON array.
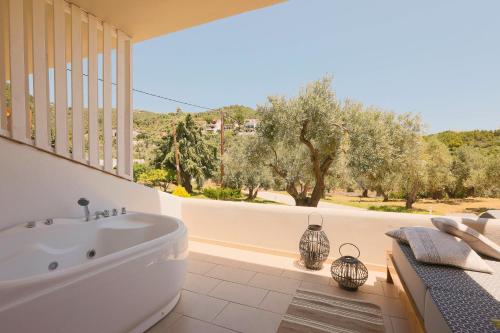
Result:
[{"x": 437, "y": 58}]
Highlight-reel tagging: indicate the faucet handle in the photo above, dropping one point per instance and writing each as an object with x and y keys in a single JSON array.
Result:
[
  {"x": 114, "y": 212},
  {"x": 124, "y": 210},
  {"x": 106, "y": 213}
]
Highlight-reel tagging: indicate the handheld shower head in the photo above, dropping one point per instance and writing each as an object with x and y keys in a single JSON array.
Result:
[{"x": 83, "y": 202}]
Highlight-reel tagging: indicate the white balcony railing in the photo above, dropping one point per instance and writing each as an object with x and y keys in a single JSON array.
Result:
[{"x": 40, "y": 36}]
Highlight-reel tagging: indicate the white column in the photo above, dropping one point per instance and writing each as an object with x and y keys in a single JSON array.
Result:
[
  {"x": 18, "y": 76},
  {"x": 76, "y": 83},
  {"x": 40, "y": 75},
  {"x": 60, "y": 83},
  {"x": 93, "y": 95},
  {"x": 107, "y": 133}
]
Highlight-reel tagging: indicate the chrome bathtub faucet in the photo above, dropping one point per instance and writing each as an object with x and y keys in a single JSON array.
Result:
[
  {"x": 114, "y": 212},
  {"x": 85, "y": 204}
]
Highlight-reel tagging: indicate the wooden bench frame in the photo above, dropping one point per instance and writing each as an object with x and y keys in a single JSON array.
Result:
[{"x": 394, "y": 277}]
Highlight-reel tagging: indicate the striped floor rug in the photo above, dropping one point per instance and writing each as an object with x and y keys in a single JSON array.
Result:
[{"x": 317, "y": 313}]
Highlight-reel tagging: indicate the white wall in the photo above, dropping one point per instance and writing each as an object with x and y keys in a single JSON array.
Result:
[
  {"x": 276, "y": 227},
  {"x": 36, "y": 185}
]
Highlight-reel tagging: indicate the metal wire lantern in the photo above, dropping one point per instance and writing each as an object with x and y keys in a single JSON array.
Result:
[
  {"x": 348, "y": 271},
  {"x": 314, "y": 245}
]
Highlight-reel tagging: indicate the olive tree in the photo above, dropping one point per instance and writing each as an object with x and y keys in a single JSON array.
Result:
[
  {"x": 372, "y": 153},
  {"x": 439, "y": 178},
  {"x": 244, "y": 167},
  {"x": 301, "y": 138},
  {"x": 410, "y": 157}
]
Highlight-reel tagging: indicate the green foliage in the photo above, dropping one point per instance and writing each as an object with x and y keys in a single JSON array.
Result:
[
  {"x": 439, "y": 178},
  {"x": 181, "y": 192},
  {"x": 156, "y": 178},
  {"x": 138, "y": 169},
  {"x": 233, "y": 114},
  {"x": 487, "y": 142},
  {"x": 244, "y": 167},
  {"x": 224, "y": 193},
  {"x": 198, "y": 158},
  {"x": 301, "y": 139}
]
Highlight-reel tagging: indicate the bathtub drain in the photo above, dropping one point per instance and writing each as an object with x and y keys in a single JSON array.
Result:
[
  {"x": 53, "y": 265},
  {"x": 91, "y": 253}
]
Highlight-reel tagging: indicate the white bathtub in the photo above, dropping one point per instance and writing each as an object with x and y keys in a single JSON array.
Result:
[{"x": 133, "y": 280}]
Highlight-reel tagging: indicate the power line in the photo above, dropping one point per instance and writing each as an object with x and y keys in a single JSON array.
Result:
[{"x": 158, "y": 96}]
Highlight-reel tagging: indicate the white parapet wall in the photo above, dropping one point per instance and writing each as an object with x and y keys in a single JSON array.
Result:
[
  {"x": 277, "y": 228},
  {"x": 36, "y": 185}
]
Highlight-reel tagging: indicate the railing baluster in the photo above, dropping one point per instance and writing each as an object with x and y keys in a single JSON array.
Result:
[
  {"x": 3, "y": 63},
  {"x": 93, "y": 95},
  {"x": 40, "y": 74},
  {"x": 60, "y": 84},
  {"x": 76, "y": 83},
  {"x": 107, "y": 133},
  {"x": 129, "y": 110},
  {"x": 121, "y": 87},
  {"x": 18, "y": 76}
]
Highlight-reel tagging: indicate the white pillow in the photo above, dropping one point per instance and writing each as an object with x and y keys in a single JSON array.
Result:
[
  {"x": 397, "y": 234},
  {"x": 475, "y": 240},
  {"x": 435, "y": 247},
  {"x": 488, "y": 227}
]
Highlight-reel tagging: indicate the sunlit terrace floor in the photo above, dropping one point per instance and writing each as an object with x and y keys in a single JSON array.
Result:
[{"x": 233, "y": 290}]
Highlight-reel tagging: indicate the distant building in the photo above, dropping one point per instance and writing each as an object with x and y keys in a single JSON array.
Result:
[
  {"x": 250, "y": 125},
  {"x": 214, "y": 126}
]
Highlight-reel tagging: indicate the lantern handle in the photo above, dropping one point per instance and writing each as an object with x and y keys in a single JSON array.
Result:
[
  {"x": 340, "y": 247},
  {"x": 309, "y": 217}
]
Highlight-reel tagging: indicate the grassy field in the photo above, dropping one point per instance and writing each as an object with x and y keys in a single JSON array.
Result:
[
  {"x": 199, "y": 195},
  {"x": 423, "y": 206}
]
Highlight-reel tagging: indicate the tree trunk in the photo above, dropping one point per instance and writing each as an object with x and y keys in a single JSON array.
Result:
[
  {"x": 186, "y": 183},
  {"x": 386, "y": 197},
  {"x": 409, "y": 203},
  {"x": 365, "y": 193},
  {"x": 251, "y": 195}
]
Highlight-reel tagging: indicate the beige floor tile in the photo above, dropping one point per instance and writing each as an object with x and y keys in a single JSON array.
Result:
[
  {"x": 199, "y": 306},
  {"x": 199, "y": 267},
  {"x": 239, "y": 293},
  {"x": 400, "y": 325},
  {"x": 246, "y": 319},
  {"x": 262, "y": 268},
  {"x": 163, "y": 325},
  {"x": 223, "y": 261},
  {"x": 196, "y": 256},
  {"x": 232, "y": 274},
  {"x": 190, "y": 325},
  {"x": 306, "y": 276},
  {"x": 388, "y": 325},
  {"x": 276, "y": 283},
  {"x": 276, "y": 302},
  {"x": 199, "y": 283}
]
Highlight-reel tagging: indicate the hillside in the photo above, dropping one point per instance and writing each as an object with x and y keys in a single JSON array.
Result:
[{"x": 488, "y": 142}]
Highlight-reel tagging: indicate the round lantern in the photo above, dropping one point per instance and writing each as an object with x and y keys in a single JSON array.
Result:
[
  {"x": 314, "y": 245},
  {"x": 348, "y": 271}
]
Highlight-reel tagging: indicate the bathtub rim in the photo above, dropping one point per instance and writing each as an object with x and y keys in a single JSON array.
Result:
[{"x": 101, "y": 261}]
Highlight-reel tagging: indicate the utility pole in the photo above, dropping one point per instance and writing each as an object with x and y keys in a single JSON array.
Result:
[
  {"x": 221, "y": 147},
  {"x": 176, "y": 148}
]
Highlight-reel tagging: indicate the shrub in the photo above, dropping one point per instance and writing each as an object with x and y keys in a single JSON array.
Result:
[
  {"x": 181, "y": 192},
  {"x": 218, "y": 193}
]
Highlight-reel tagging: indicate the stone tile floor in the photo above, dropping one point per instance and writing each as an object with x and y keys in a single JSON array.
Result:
[{"x": 233, "y": 290}]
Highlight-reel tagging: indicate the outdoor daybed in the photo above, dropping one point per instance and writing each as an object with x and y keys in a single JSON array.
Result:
[{"x": 446, "y": 299}]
